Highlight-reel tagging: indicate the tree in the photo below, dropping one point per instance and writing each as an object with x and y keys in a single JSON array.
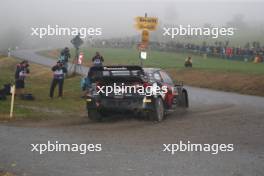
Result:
[
  {"x": 237, "y": 22},
  {"x": 11, "y": 38}
]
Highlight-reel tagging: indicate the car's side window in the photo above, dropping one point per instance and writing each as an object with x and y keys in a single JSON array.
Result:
[
  {"x": 156, "y": 76},
  {"x": 166, "y": 78}
]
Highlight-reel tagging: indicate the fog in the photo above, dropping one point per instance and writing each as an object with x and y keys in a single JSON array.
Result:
[{"x": 115, "y": 17}]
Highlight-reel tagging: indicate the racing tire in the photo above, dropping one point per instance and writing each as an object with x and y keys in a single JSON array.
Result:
[
  {"x": 185, "y": 103},
  {"x": 158, "y": 112},
  {"x": 94, "y": 115}
]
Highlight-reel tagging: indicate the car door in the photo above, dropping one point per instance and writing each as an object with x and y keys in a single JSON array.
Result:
[{"x": 170, "y": 97}]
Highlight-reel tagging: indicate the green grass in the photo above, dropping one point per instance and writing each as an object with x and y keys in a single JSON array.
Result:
[
  {"x": 214, "y": 73},
  {"x": 172, "y": 60},
  {"x": 38, "y": 84}
]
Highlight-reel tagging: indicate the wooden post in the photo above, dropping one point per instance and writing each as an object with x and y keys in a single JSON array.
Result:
[
  {"x": 141, "y": 60},
  {"x": 13, "y": 91}
]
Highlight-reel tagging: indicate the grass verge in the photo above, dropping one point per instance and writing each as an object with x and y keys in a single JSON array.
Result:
[
  {"x": 6, "y": 174},
  {"x": 166, "y": 60},
  {"x": 224, "y": 81},
  {"x": 213, "y": 73},
  {"x": 38, "y": 83}
]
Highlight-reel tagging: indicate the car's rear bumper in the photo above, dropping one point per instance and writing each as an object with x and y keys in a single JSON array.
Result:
[{"x": 124, "y": 104}]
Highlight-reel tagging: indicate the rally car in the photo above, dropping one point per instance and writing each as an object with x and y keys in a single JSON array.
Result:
[{"x": 146, "y": 91}]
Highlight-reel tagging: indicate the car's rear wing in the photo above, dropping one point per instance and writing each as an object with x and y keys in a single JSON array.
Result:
[{"x": 116, "y": 71}]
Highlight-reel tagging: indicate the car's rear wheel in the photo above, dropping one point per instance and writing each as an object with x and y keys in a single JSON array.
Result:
[
  {"x": 158, "y": 112},
  {"x": 185, "y": 103},
  {"x": 94, "y": 115}
]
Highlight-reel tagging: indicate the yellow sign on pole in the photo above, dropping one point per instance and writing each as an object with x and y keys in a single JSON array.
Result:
[
  {"x": 149, "y": 27},
  {"x": 149, "y": 20},
  {"x": 145, "y": 24},
  {"x": 149, "y": 23},
  {"x": 145, "y": 36}
]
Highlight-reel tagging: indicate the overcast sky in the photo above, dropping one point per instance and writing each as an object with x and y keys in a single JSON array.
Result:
[{"x": 116, "y": 17}]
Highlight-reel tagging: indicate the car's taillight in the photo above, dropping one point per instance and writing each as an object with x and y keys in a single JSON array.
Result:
[
  {"x": 169, "y": 90},
  {"x": 146, "y": 84}
]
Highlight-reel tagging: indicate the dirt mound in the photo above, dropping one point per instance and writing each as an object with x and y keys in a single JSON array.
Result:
[{"x": 225, "y": 81}]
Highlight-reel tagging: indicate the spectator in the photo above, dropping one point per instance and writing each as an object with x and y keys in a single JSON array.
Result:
[
  {"x": 58, "y": 78},
  {"x": 21, "y": 73},
  {"x": 188, "y": 62}
]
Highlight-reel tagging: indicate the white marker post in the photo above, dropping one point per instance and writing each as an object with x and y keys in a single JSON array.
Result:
[
  {"x": 12, "y": 91},
  {"x": 9, "y": 52},
  {"x": 143, "y": 55}
]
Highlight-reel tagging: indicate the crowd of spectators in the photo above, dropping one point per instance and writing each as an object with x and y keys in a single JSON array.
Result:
[
  {"x": 218, "y": 49},
  {"x": 246, "y": 53}
]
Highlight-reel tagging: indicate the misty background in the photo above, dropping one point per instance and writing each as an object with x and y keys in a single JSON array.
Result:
[{"x": 116, "y": 18}]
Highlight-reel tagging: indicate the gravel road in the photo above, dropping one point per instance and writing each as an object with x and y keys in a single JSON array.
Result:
[{"x": 133, "y": 147}]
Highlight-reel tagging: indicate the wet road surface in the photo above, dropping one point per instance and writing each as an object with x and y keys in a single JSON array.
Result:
[{"x": 135, "y": 147}]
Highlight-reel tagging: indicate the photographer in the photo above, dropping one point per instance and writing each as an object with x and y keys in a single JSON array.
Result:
[
  {"x": 21, "y": 73},
  {"x": 65, "y": 56},
  {"x": 97, "y": 59},
  {"x": 58, "y": 78}
]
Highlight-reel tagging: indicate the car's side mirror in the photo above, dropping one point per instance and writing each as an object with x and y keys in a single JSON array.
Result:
[{"x": 178, "y": 83}]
